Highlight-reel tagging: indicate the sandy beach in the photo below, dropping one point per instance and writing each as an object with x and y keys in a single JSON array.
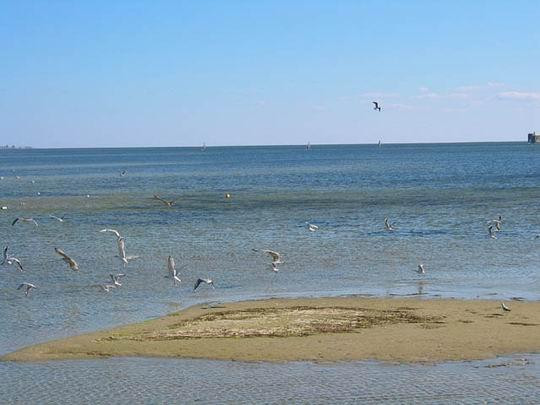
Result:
[{"x": 322, "y": 329}]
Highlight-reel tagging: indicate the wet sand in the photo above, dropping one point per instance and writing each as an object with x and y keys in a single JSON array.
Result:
[{"x": 319, "y": 329}]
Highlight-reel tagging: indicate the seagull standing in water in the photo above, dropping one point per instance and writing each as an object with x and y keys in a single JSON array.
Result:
[
  {"x": 171, "y": 265},
  {"x": 167, "y": 203},
  {"x": 23, "y": 219},
  {"x": 10, "y": 259},
  {"x": 72, "y": 263},
  {"x": 203, "y": 280},
  {"x": 377, "y": 106},
  {"x": 388, "y": 226},
  {"x": 28, "y": 287}
]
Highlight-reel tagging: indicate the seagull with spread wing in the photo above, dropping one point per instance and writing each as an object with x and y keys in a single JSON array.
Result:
[
  {"x": 205, "y": 281},
  {"x": 24, "y": 219},
  {"x": 122, "y": 251},
  {"x": 59, "y": 219},
  {"x": 72, "y": 263},
  {"x": 11, "y": 260},
  {"x": 171, "y": 265},
  {"x": 114, "y": 231},
  {"x": 377, "y": 106},
  {"x": 28, "y": 287},
  {"x": 167, "y": 203},
  {"x": 388, "y": 226},
  {"x": 116, "y": 279}
]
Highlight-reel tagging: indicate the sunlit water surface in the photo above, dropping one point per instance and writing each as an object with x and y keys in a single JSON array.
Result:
[{"x": 440, "y": 197}]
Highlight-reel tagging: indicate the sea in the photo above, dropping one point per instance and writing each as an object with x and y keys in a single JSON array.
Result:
[{"x": 440, "y": 199}]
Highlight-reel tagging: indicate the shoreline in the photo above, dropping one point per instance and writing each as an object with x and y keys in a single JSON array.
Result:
[{"x": 403, "y": 330}]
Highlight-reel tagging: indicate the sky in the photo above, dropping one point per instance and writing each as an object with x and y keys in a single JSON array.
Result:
[{"x": 237, "y": 72}]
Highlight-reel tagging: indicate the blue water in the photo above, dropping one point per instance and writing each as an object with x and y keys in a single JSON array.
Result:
[{"x": 440, "y": 197}]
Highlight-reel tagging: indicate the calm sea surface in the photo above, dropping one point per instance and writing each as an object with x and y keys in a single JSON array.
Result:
[{"x": 440, "y": 198}]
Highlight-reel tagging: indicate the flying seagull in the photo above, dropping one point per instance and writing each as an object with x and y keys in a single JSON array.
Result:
[
  {"x": 388, "y": 226},
  {"x": 377, "y": 107},
  {"x": 28, "y": 287},
  {"x": 276, "y": 257},
  {"x": 122, "y": 251},
  {"x": 421, "y": 269},
  {"x": 123, "y": 173},
  {"x": 106, "y": 287},
  {"x": 10, "y": 260},
  {"x": 504, "y": 307},
  {"x": 72, "y": 263},
  {"x": 311, "y": 227},
  {"x": 59, "y": 219},
  {"x": 167, "y": 203},
  {"x": 203, "y": 280},
  {"x": 23, "y": 219},
  {"x": 171, "y": 265},
  {"x": 116, "y": 279},
  {"x": 112, "y": 231}
]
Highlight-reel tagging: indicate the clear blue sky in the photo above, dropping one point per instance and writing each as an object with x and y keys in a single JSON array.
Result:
[{"x": 177, "y": 73}]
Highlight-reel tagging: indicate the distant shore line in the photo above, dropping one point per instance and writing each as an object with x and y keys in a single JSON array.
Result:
[
  {"x": 300, "y": 146},
  {"x": 315, "y": 329}
]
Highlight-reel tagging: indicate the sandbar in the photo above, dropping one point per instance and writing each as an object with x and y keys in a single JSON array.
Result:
[{"x": 316, "y": 329}]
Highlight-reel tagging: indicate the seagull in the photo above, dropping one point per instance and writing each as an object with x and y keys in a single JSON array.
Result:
[
  {"x": 72, "y": 263},
  {"x": 123, "y": 173},
  {"x": 23, "y": 219},
  {"x": 59, "y": 219},
  {"x": 28, "y": 287},
  {"x": 112, "y": 231},
  {"x": 203, "y": 280},
  {"x": 377, "y": 107},
  {"x": 497, "y": 223},
  {"x": 122, "y": 251},
  {"x": 388, "y": 226},
  {"x": 106, "y": 287},
  {"x": 276, "y": 257},
  {"x": 504, "y": 307},
  {"x": 228, "y": 196},
  {"x": 421, "y": 269},
  {"x": 311, "y": 227},
  {"x": 10, "y": 260},
  {"x": 171, "y": 265},
  {"x": 167, "y": 203},
  {"x": 275, "y": 267},
  {"x": 116, "y": 279},
  {"x": 492, "y": 232}
]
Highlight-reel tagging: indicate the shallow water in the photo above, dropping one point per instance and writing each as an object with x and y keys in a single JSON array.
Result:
[
  {"x": 440, "y": 197},
  {"x": 139, "y": 380}
]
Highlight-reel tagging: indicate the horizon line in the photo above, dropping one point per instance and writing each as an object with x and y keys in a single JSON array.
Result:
[{"x": 27, "y": 147}]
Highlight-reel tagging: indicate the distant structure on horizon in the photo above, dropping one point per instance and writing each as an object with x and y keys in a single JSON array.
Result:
[
  {"x": 534, "y": 138},
  {"x": 15, "y": 147}
]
